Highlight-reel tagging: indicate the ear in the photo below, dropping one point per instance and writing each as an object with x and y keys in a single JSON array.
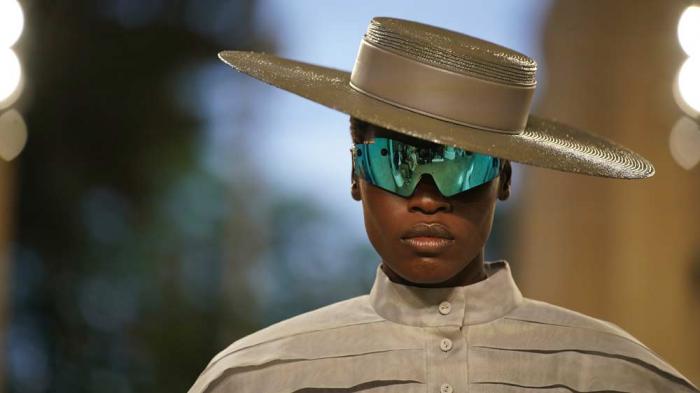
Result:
[
  {"x": 504, "y": 181},
  {"x": 355, "y": 188}
]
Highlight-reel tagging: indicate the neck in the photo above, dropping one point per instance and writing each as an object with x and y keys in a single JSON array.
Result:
[{"x": 472, "y": 273}]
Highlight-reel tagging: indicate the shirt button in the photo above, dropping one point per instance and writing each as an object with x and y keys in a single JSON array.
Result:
[
  {"x": 445, "y": 388},
  {"x": 446, "y": 344},
  {"x": 444, "y": 308}
]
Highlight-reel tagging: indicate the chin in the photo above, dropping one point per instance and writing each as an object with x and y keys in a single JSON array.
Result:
[{"x": 429, "y": 271}]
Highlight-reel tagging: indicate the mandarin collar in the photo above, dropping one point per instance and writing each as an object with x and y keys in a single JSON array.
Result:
[{"x": 481, "y": 302}]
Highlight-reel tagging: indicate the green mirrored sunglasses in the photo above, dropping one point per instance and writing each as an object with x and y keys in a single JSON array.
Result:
[{"x": 397, "y": 166}]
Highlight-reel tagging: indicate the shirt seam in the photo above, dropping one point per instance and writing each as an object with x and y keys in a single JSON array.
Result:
[
  {"x": 466, "y": 343},
  {"x": 426, "y": 355},
  {"x": 288, "y": 336},
  {"x": 584, "y": 328}
]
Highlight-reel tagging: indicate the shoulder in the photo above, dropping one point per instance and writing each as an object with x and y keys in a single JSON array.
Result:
[
  {"x": 549, "y": 314},
  {"x": 577, "y": 344},
  {"x": 283, "y": 354},
  {"x": 344, "y": 313}
]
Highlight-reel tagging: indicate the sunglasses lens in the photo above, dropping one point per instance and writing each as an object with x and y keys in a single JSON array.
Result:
[{"x": 397, "y": 167}]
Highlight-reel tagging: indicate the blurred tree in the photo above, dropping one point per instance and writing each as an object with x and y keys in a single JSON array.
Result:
[{"x": 114, "y": 237}]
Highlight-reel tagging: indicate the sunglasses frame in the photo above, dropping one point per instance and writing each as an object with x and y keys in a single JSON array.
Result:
[{"x": 411, "y": 159}]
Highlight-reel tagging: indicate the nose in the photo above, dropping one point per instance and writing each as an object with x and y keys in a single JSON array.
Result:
[{"x": 427, "y": 198}]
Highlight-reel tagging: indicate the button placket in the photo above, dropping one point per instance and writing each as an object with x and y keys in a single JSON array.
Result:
[
  {"x": 447, "y": 354},
  {"x": 447, "y": 358}
]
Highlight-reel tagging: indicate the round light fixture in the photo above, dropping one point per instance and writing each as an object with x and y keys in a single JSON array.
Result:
[
  {"x": 689, "y": 30},
  {"x": 684, "y": 142},
  {"x": 689, "y": 82},
  {"x": 13, "y": 134},
  {"x": 11, "y": 22},
  {"x": 10, "y": 74}
]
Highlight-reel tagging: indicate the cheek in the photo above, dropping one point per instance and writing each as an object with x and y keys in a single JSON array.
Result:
[
  {"x": 478, "y": 227},
  {"x": 476, "y": 217},
  {"x": 382, "y": 215}
]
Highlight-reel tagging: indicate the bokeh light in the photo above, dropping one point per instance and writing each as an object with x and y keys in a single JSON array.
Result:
[
  {"x": 689, "y": 82},
  {"x": 689, "y": 30},
  {"x": 11, "y": 22},
  {"x": 13, "y": 134},
  {"x": 680, "y": 101},
  {"x": 10, "y": 74},
  {"x": 684, "y": 142}
]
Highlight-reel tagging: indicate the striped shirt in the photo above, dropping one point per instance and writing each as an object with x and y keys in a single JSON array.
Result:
[{"x": 483, "y": 337}]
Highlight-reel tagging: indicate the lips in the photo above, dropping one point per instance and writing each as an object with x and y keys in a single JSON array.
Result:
[
  {"x": 428, "y": 230},
  {"x": 428, "y": 239}
]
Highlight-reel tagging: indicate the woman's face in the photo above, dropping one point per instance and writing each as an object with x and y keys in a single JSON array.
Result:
[{"x": 428, "y": 239}]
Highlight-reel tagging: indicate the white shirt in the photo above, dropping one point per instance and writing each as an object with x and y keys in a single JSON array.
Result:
[{"x": 484, "y": 337}]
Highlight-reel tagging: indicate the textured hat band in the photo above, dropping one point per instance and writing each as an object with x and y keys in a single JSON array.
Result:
[{"x": 440, "y": 93}]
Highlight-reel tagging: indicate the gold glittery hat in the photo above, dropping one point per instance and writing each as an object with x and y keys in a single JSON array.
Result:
[{"x": 448, "y": 88}]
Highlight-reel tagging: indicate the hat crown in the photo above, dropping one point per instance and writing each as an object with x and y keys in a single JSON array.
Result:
[{"x": 452, "y": 51}]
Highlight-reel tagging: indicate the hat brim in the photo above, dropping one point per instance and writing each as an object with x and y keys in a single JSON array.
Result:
[{"x": 544, "y": 143}]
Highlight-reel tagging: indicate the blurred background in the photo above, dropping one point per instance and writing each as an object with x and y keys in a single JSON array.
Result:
[{"x": 165, "y": 205}]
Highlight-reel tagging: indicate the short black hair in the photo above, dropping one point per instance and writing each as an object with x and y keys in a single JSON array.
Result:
[{"x": 358, "y": 129}]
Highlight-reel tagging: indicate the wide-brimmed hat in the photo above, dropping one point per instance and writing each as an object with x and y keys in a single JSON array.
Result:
[{"x": 448, "y": 88}]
